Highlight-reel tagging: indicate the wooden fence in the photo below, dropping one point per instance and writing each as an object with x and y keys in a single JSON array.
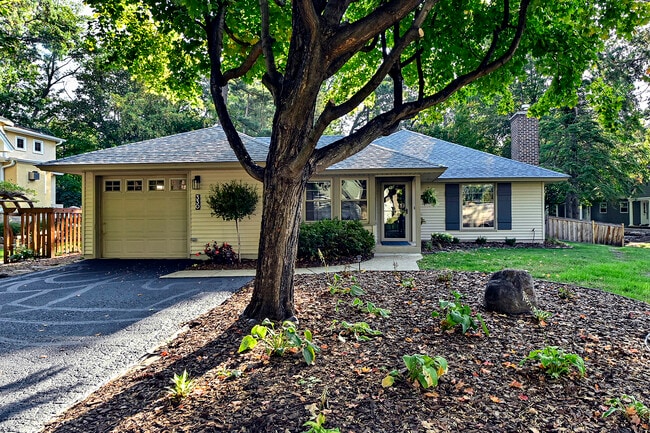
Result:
[
  {"x": 46, "y": 232},
  {"x": 592, "y": 232}
]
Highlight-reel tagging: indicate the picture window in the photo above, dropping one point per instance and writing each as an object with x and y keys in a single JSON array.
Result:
[
  {"x": 318, "y": 203},
  {"x": 478, "y": 205}
]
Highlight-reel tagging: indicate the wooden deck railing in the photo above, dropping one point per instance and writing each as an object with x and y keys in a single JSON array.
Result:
[
  {"x": 47, "y": 232},
  {"x": 593, "y": 232}
]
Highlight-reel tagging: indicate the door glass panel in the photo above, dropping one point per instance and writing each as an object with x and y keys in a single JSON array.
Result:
[{"x": 395, "y": 211}]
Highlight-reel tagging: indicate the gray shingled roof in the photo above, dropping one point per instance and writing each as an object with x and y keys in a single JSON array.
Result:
[
  {"x": 202, "y": 145},
  {"x": 463, "y": 162},
  {"x": 401, "y": 150}
]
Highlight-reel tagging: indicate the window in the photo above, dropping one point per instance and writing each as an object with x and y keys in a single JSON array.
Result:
[
  {"x": 156, "y": 184},
  {"x": 623, "y": 206},
  {"x": 38, "y": 146},
  {"x": 134, "y": 185},
  {"x": 112, "y": 185},
  {"x": 318, "y": 203},
  {"x": 21, "y": 143},
  {"x": 603, "y": 207},
  {"x": 177, "y": 184},
  {"x": 354, "y": 200},
  {"x": 478, "y": 205}
]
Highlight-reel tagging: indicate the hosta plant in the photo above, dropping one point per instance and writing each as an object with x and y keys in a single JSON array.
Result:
[
  {"x": 337, "y": 286},
  {"x": 633, "y": 409},
  {"x": 316, "y": 425},
  {"x": 456, "y": 314},
  {"x": 361, "y": 331},
  {"x": 420, "y": 369},
  {"x": 278, "y": 341},
  {"x": 370, "y": 308},
  {"x": 555, "y": 361}
]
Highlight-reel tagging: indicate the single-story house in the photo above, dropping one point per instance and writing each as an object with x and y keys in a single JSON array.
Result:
[
  {"x": 632, "y": 211},
  {"x": 148, "y": 199},
  {"x": 21, "y": 150}
]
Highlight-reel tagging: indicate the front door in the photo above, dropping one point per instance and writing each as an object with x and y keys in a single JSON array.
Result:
[{"x": 395, "y": 225}]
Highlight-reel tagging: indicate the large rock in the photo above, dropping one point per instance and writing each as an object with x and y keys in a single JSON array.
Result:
[{"x": 505, "y": 292}]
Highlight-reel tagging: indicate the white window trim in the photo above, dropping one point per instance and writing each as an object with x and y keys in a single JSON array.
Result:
[
  {"x": 24, "y": 148},
  {"x": 603, "y": 205},
  {"x": 342, "y": 200},
  {"x": 494, "y": 209},
  {"x": 627, "y": 207},
  {"x": 34, "y": 146}
]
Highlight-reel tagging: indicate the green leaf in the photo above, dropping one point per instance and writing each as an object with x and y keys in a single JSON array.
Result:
[
  {"x": 259, "y": 331},
  {"x": 248, "y": 342},
  {"x": 309, "y": 354},
  {"x": 388, "y": 381}
]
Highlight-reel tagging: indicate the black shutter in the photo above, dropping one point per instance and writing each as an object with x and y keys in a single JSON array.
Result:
[
  {"x": 504, "y": 206},
  {"x": 452, "y": 206}
]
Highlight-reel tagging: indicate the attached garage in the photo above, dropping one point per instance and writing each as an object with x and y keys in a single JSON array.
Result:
[{"x": 144, "y": 217}]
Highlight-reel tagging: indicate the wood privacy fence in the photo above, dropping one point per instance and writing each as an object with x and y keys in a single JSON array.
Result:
[
  {"x": 47, "y": 232},
  {"x": 593, "y": 232}
]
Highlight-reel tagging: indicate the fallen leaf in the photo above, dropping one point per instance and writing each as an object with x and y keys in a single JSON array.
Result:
[
  {"x": 495, "y": 399},
  {"x": 515, "y": 384},
  {"x": 523, "y": 397}
]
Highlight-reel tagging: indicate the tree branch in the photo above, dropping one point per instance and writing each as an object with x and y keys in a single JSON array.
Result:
[
  {"x": 246, "y": 66},
  {"x": 272, "y": 78},
  {"x": 214, "y": 33},
  {"x": 334, "y": 11},
  {"x": 497, "y": 32}
]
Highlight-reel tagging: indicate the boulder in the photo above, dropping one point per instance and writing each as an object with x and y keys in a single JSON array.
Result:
[{"x": 505, "y": 292}]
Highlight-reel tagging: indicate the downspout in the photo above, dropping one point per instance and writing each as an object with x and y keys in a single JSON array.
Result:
[{"x": 4, "y": 167}]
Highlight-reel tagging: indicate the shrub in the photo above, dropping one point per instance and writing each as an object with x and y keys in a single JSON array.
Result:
[
  {"x": 481, "y": 240},
  {"x": 15, "y": 228},
  {"x": 511, "y": 242},
  {"x": 442, "y": 238},
  {"x": 335, "y": 239},
  {"x": 223, "y": 254}
]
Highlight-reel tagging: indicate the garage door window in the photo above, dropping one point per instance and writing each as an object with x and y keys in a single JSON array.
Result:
[
  {"x": 177, "y": 184},
  {"x": 156, "y": 184},
  {"x": 134, "y": 185},
  {"x": 112, "y": 185}
]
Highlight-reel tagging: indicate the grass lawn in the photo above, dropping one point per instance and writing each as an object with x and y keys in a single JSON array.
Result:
[{"x": 624, "y": 271}]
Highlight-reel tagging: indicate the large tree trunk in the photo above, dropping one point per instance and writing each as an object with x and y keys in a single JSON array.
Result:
[{"x": 278, "y": 247}]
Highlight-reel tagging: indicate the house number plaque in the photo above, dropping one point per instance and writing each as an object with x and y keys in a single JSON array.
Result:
[{"x": 197, "y": 201}]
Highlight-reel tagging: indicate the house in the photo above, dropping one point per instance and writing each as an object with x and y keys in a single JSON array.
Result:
[
  {"x": 21, "y": 151},
  {"x": 147, "y": 199},
  {"x": 632, "y": 211}
]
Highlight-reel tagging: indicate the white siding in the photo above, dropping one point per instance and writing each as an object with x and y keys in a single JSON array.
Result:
[{"x": 527, "y": 214}]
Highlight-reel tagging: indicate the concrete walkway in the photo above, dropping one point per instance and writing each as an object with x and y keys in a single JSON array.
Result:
[{"x": 380, "y": 262}]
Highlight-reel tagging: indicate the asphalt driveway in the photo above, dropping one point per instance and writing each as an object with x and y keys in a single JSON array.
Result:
[{"x": 66, "y": 331}]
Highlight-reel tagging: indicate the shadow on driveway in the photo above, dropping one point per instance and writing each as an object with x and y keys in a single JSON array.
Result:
[{"x": 66, "y": 331}]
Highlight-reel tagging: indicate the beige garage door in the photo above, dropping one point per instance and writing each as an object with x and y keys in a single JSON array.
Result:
[{"x": 144, "y": 217}]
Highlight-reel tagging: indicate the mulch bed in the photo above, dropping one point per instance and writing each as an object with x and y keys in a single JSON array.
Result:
[{"x": 485, "y": 388}]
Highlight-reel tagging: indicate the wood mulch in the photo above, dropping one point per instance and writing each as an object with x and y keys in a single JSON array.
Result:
[{"x": 485, "y": 389}]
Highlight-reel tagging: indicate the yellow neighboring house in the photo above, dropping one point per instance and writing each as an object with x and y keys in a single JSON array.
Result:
[{"x": 21, "y": 150}]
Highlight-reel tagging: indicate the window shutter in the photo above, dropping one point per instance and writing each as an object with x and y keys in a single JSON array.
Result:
[
  {"x": 504, "y": 206},
  {"x": 452, "y": 206}
]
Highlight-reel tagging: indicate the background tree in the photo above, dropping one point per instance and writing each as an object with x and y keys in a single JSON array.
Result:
[
  {"x": 233, "y": 201},
  {"x": 339, "y": 52}
]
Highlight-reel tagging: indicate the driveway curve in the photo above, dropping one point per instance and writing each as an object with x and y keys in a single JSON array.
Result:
[{"x": 65, "y": 332}]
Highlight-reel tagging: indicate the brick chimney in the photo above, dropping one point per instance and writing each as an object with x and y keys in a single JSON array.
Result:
[{"x": 524, "y": 134}]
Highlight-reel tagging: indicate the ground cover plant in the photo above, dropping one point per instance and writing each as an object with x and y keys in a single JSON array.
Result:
[
  {"x": 483, "y": 389},
  {"x": 618, "y": 270}
]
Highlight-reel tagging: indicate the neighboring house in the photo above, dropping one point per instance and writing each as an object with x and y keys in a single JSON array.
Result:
[
  {"x": 21, "y": 150},
  {"x": 633, "y": 211},
  {"x": 147, "y": 199}
]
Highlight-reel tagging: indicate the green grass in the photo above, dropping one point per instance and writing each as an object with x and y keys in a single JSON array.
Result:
[{"x": 624, "y": 271}]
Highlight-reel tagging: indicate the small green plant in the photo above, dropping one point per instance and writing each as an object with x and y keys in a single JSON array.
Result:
[
  {"x": 337, "y": 287},
  {"x": 183, "y": 385},
  {"x": 628, "y": 405},
  {"x": 481, "y": 240},
  {"x": 455, "y": 313},
  {"x": 370, "y": 308},
  {"x": 428, "y": 196},
  {"x": 360, "y": 330},
  {"x": 427, "y": 246},
  {"x": 421, "y": 369},
  {"x": 511, "y": 242},
  {"x": 316, "y": 425},
  {"x": 22, "y": 253},
  {"x": 566, "y": 293},
  {"x": 555, "y": 361},
  {"x": 541, "y": 315},
  {"x": 445, "y": 277},
  {"x": 278, "y": 342},
  {"x": 408, "y": 283},
  {"x": 441, "y": 239}
]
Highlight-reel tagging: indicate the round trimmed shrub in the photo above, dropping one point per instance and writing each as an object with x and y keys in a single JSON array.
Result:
[{"x": 335, "y": 238}]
